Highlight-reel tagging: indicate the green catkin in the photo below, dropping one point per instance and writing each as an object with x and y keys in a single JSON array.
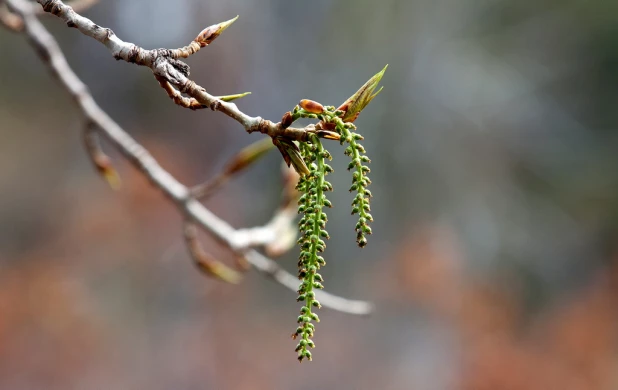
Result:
[
  {"x": 333, "y": 124},
  {"x": 312, "y": 227}
]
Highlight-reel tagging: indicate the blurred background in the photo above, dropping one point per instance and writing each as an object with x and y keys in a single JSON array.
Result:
[{"x": 493, "y": 262}]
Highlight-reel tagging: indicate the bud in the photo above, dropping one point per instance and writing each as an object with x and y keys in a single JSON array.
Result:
[
  {"x": 106, "y": 169},
  {"x": 248, "y": 156},
  {"x": 205, "y": 262},
  {"x": 210, "y": 33},
  {"x": 328, "y": 135},
  {"x": 357, "y": 102},
  {"x": 229, "y": 98},
  {"x": 291, "y": 154},
  {"x": 101, "y": 161},
  {"x": 311, "y": 106},
  {"x": 287, "y": 120},
  {"x": 220, "y": 271}
]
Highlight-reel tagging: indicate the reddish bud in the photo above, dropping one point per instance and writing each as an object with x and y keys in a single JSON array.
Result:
[
  {"x": 287, "y": 120},
  {"x": 210, "y": 33},
  {"x": 311, "y": 106}
]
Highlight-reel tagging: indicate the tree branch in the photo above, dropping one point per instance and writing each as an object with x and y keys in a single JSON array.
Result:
[
  {"x": 15, "y": 23},
  {"x": 162, "y": 65},
  {"x": 165, "y": 65}
]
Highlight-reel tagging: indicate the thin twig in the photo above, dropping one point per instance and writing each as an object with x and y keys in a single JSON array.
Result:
[
  {"x": 266, "y": 265},
  {"x": 164, "y": 63},
  {"x": 238, "y": 163},
  {"x": 15, "y": 23},
  {"x": 177, "y": 97},
  {"x": 204, "y": 261},
  {"x": 48, "y": 50},
  {"x": 279, "y": 235},
  {"x": 101, "y": 161},
  {"x": 283, "y": 220}
]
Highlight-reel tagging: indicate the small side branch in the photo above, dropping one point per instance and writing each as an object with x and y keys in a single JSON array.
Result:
[
  {"x": 101, "y": 161},
  {"x": 177, "y": 97},
  {"x": 334, "y": 302},
  {"x": 204, "y": 261},
  {"x": 15, "y": 23},
  {"x": 165, "y": 65}
]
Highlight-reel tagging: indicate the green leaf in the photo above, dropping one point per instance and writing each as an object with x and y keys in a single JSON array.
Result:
[{"x": 357, "y": 102}]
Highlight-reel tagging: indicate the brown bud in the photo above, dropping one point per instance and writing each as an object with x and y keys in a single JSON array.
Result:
[
  {"x": 101, "y": 161},
  {"x": 311, "y": 106},
  {"x": 291, "y": 154},
  {"x": 205, "y": 262},
  {"x": 328, "y": 135},
  {"x": 287, "y": 120},
  {"x": 210, "y": 33},
  {"x": 249, "y": 155}
]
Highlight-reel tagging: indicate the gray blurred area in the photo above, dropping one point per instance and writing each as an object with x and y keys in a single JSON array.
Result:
[{"x": 494, "y": 148}]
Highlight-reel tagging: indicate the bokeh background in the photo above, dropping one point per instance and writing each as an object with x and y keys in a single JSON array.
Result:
[{"x": 493, "y": 263}]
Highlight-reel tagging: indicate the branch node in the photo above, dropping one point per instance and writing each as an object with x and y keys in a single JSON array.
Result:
[
  {"x": 261, "y": 125},
  {"x": 215, "y": 105},
  {"x": 188, "y": 86},
  {"x": 178, "y": 65},
  {"x": 133, "y": 53},
  {"x": 52, "y": 6}
]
